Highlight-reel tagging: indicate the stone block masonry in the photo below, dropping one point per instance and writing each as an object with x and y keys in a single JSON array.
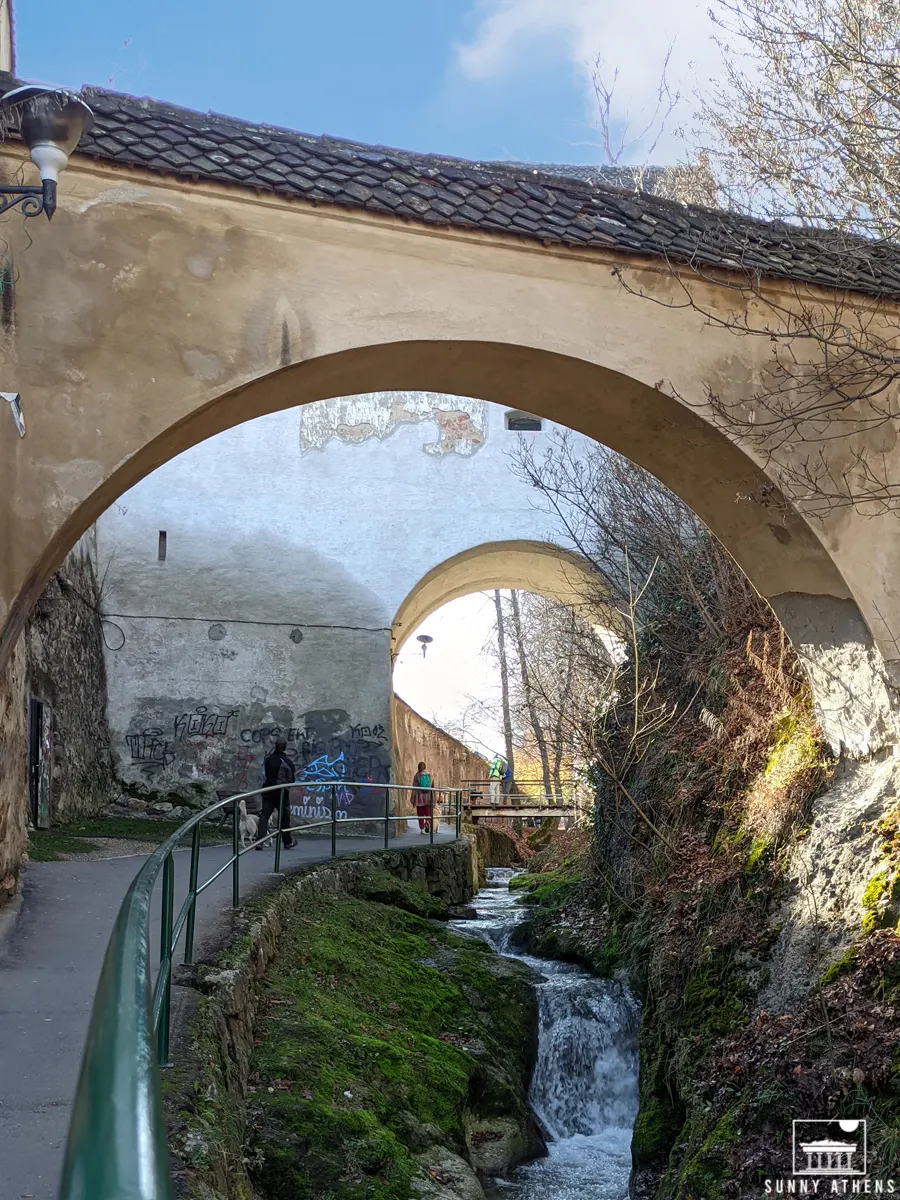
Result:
[{"x": 66, "y": 670}]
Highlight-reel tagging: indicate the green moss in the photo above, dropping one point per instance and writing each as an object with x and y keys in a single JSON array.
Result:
[
  {"x": 713, "y": 1000},
  {"x": 524, "y": 883},
  {"x": 706, "y": 1167},
  {"x": 794, "y": 747},
  {"x": 387, "y": 889},
  {"x": 375, "y": 1025},
  {"x": 550, "y": 889},
  {"x": 881, "y": 900},
  {"x": 655, "y": 1130},
  {"x": 138, "y": 828},
  {"x": 840, "y": 967},
  {"x": 758, "y": 849}
]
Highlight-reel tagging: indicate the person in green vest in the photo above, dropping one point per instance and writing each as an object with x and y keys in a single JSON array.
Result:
[
  {"x": 422, "y": 797},
  {"x": 496, "y": 774}
]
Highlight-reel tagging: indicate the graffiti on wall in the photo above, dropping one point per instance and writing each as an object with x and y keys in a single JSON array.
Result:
[
  {"x": 224, "y": 748},
  {"x": 150, "y": 751},
  {"x": 203, "y": 723}
]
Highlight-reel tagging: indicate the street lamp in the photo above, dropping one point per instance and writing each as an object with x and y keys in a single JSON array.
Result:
[
  {"x": 50, "y": 122},
  {"x": 425, "y": 640}
]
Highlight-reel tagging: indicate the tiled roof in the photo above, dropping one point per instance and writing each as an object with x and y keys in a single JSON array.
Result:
[{"x": 498, "y": 198}]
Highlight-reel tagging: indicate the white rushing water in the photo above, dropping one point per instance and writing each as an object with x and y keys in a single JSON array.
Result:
[{"x": 584, "y": 1088}]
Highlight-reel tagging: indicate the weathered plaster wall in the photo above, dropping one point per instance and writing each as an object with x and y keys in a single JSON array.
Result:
[
  {"x": 13, "y": 772},
  {"x": 291, "y": 542},
  {"x": 65, "y": 668},
  {"x": 854, "y": 690},
  {"x": 416, "y": 739},
  {"x": 159, "y": 313}
]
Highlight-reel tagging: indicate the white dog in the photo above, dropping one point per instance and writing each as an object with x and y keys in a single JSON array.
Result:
[
  {"x": 249, "y": 824},
  {"x": 273, "y": 828}
]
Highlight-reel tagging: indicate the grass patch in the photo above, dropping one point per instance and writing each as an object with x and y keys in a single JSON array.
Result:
[
  {"x": 48, "y": 846},
  {"x": 138, "y": 828}
]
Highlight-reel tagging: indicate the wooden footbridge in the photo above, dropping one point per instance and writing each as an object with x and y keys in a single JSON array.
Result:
[{"x": 478, "y": 804}]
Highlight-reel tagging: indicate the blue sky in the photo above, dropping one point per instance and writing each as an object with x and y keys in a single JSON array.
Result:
[{"x": 476, "y": 78}]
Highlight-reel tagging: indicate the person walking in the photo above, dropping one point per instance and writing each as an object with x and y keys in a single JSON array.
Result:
[
  {"x": 279, "y": 769},
  {"x": 496, "y": 772},
  {"x": 422, "y": 797}
]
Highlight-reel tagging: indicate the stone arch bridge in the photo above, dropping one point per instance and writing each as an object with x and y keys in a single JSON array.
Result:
[{"x": 202, "y": 271}]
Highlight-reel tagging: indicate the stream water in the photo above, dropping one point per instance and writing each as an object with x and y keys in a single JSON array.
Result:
[{"x": 584, "y": 1087}]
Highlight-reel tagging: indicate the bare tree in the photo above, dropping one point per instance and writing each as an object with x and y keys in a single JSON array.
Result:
[
  {"x": 504, "y": 683},
  {"x": 627, "y": 524},
  {"x": 703, "y": 674},
  {"x": 804, "y": 128},
  {"x": 528, "y": 694},
  {"x": 623, "y": 137}
]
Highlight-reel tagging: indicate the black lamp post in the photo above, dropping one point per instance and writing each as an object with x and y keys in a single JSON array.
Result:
[{"x": 50, "y": 122}]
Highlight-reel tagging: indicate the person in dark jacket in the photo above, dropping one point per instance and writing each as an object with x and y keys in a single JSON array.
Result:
[{"x": 279, "y": 769}]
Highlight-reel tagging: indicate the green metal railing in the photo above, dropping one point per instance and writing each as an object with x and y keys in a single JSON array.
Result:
[{"x": 117, "y": 1145}]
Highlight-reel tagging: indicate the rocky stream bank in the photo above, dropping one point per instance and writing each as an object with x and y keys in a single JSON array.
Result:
[{"x": 349, "y": 1044}]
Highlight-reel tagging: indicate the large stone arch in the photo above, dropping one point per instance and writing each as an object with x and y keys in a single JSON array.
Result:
[
  {"x": 780, "y": 554},
  {"x": 528, "y": 566},
  {"x": 153, "y": 314}
]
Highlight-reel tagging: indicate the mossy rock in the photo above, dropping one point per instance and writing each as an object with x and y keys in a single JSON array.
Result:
[
  {"x": 382, "y": 1034},
  {"x": 706, "y": 1167},
  {"x": 655, "y": 1130},
  {"x": 384, "y": 888},
  {"x": 881, "y": 900}
]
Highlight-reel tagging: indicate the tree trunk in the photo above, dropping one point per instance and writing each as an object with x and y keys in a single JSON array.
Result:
[
  {"x": 529, "y": 697},
  {"x": 561, "y": 738},
  {"x": 504, "y": 685}
]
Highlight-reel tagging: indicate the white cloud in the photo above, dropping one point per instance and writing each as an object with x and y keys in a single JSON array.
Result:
[{"x": 633, "y": 35}]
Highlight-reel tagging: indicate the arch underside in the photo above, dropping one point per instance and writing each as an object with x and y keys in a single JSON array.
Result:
[
  {"x": 527, "y": 566},
  {"x": 779, "y": 552}
]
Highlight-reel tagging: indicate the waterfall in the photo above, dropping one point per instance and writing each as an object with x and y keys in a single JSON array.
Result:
[{"x": 584, "y": 1087}]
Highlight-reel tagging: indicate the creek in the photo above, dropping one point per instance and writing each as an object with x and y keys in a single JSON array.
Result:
[{"x": 584, "y": 1089}]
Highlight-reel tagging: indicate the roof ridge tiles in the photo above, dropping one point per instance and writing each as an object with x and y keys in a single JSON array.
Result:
[{"x": 525, "y": 201}]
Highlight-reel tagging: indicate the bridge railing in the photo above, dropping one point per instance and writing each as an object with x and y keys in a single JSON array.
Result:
[{"x": 117, "y": 1145}]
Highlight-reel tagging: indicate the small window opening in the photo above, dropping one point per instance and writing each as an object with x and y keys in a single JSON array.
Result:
[
  {"x": 521, "y": 422},
  {"x": 161, "y": 546}
]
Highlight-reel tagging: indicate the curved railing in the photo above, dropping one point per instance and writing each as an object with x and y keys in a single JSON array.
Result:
[{"x": 117, "y": 1145}]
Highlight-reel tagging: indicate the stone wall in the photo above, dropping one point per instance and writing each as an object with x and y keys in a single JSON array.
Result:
[
  {"x": 65, "y": 668},
  {"x": 13, "y": 778},
  {"x": 494, "y": 847},
  {"x": 416, "y": 739}
]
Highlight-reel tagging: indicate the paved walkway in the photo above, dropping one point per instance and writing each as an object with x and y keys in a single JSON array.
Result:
[{"x": 49, "y": 965}]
